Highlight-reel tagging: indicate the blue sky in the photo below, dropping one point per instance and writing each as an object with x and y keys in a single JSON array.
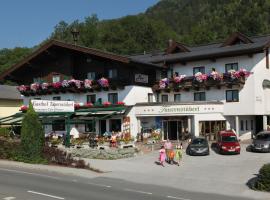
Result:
[{"x": 29, "y": 22}]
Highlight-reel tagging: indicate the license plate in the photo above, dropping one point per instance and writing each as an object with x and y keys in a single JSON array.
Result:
[{"x": 231, "y": 149}]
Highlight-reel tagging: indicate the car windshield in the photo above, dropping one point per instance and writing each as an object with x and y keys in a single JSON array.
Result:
[
  {"x": 199, "y": 141},
  {"x": 230, "y": 138},
  {"x": 263, "y": 137}
]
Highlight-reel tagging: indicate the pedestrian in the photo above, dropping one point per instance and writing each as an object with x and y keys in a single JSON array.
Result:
[
  {"x": 162, "y": 155},
  {"x": 168, "y": 147},
  {"x": 171, "y": 157},
  {"x": 178, "y": 153}
]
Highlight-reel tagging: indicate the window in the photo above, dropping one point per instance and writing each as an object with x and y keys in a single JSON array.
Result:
[
  {"x": 164, "y": 98},
  {"x": 90, "y": 126},
  {"x": 199, "y": 96},
  {"x": 177, "y": 97},
  {"x": 246, "y": 124},
  {"x": 58, "y": 125},
  {"x": 157, "y": 97},
  {"x": 198, "y": 69},
  {"x": 37, "y": 80},
  {"x": 56, "y": 78},
  {"x": 150, "y": 97},
  {"x": 91, "y": 98},
  {"x": 251, "y": 125},
  {"x": 232, "y": 96},
  {"x": 56, "y": 98},
  {"x": 231, "y": 66},
  {"x": 112, "y": 73},
  {"x": 242, "y": 125},
  {"x": 115, "y": 125},
  {"x": 113, "y": 98},
  {"x": 91, "y": 75}
]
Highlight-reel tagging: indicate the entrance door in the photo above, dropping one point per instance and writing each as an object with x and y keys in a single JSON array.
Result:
[
  {"x": 102, "y": 127},
  {"x": 172, "y": 130},
  {"x": 165, "y": 129}
]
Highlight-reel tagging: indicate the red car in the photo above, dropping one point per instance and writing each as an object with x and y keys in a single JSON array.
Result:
[{"x": 228, "y": 143}]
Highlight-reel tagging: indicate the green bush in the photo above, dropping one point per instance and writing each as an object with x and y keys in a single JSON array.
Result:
[
  {"x": 32, "y": 137},
  {"x": 8, "y": 148},
  {"x": 4, "y": 132},
  {"x": 263, "y": 181}
]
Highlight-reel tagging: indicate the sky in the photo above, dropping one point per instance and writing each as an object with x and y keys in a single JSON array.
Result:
[{"x": 25, "y": 23}]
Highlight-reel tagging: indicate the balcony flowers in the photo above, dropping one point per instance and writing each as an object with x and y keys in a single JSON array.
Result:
[
  {"x": 244, "y": 73},
  {"x": 75, "y": 83},
  {"x": 215, "y": 76},
  {"x": 65, "y": 84},
  {"x": 22, "y": 88},
  {"x": 200, "y": 77},
  {"x": 179, "y": 79},
  {"x": 107, "y": 103},
  {"x": 88, "y": 84},
  {"x": 56, "y": 85},
  {"x": 88, "y": 105},
  {"x": 103, "y": 82},
  {"x": 34, "y": 86},
  {"x": 163, "y": 83},
  {"x": 120, "y": 103},
  {"x": 44, "y": 86}
]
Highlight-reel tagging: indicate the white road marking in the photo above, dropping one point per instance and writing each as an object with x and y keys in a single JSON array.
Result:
[
  {"x": 101, "y": 185},
  {"x": 172, "y": 197},
  {"x": 46, "y": 195},
  {"x": 9, "y": 198},
  {"x": 29, "y": 173},
  {"x": 138, "y": 191}
]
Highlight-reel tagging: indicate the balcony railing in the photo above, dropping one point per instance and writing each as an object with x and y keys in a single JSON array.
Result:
[
  {"x": 72, "y": 86},
  {"x": 199, "y": 80}
]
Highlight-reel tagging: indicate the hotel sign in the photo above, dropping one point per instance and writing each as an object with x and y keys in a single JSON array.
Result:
[
  {"x": 53, "y": 106},
  {"x": 141, "y": 78},
  {"x": 165, "y": 110}
]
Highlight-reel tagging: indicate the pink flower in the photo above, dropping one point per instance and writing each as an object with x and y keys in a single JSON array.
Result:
[
  {"x": 57, "y": 85},
  {"x": 44, "y": 86},
  {"x": 200, "y": 77},
  {"x": 244, "y": 73},
  {"x": 88, "y": 83},
  {"x": 23, "y": 108},
  {"x": 77, "y": 106},
  {"x": 34, "y": 86},
  {"x": 65, "y": 83},
  {"x": 103, "y": 82},
  {"x": 163, "y": 83},
  {"x": 215, "y": 75},
  {"x": 22, "y": 88},
  {"x": 178, "y": 79},
  {"x": 88, "y": 105}
]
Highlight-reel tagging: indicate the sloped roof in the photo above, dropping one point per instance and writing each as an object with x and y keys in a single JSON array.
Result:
[
  {"x": 213, "y": 50},
  {"x": 9, "y": 92},
  {"x": 81, "y": 49}
]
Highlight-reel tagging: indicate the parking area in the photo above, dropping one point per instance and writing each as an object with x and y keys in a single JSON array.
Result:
[{"x": 220, "y": 174}]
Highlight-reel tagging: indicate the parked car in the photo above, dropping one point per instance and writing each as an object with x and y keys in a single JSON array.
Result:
[
  {"x": 261, "y": 143},
  {"x": 198, "y": 146},
  {"x": 227, "y": 143}
]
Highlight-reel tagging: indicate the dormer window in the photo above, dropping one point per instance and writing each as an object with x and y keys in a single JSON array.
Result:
[
  {"x": 56, "y": 78},
  {"x": 176, "y": 47},
  {"x": 237, "y": 39}
]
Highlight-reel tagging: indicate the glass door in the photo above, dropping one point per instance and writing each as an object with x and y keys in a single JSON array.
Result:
[{"x": 165, "y": 129}]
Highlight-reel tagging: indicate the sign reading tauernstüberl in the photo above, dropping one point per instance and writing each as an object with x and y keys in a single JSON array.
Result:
[{"x": 53, "y": 106}]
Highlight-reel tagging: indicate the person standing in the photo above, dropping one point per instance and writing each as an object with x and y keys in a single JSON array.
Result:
[
  {"x": 178, "y": 153},
  {"x": 162, "y": 155},
  {"x": 168, "y": 147}
]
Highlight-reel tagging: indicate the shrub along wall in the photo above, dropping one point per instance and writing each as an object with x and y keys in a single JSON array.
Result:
[{"x": 263, "y": 181}]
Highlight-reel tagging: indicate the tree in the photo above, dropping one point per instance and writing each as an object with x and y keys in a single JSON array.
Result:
[{"x": 32, "y": 137}]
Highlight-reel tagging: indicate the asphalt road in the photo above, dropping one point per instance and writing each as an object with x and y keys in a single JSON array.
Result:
[{"x": 23, "y": 184}]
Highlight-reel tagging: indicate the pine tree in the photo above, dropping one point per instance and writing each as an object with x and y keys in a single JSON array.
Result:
[{"x": 32, "y": 137}]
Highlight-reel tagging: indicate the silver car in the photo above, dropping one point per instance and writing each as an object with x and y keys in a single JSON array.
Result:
[{"x": 261, "y": 143}]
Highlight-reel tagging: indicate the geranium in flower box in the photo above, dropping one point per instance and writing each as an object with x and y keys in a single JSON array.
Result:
[
  {"x": 107, "y": 103},
  {"x": 163, "y": 83},
  {"x": 103, "y": 82},
  {"x": 88, "y": 105},
  {"x": 178, "y": 79},
  {"x": 77, "y": 106},
  {"x": 215, "y": 76},
  {"x": 88, "y": 84},
  {"x": 34, "y": 87},
  {"x": 120, "y": 103},
  {"x": 65, "y": 84},
  {"x": 244, "y": 73},
  {"x": 22, "y": 88},
  {"x": 57, "y": 85},
  {"x": 200, "y": 77}
]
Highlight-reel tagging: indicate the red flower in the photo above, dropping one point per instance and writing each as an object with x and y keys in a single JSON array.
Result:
[
  {"x": 88, "y": 105},
  {"x": 23, "y": 108},
  {"x": 120, "y": 103},
  {"x": 77, "y": 106},
  {"x": 107, "y": 103}
]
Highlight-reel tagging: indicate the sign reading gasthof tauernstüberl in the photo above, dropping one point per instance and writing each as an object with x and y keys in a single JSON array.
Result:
[{"x": 53, "y": 106}]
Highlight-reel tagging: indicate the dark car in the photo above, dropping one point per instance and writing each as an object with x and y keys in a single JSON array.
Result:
[
  {"x": 198, "y": 146},
  {"x": 227, "y": 143},
  {"x": 261, "y": 143}
]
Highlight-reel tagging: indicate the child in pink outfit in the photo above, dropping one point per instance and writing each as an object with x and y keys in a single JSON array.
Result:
[{"x": 162, "y": 156}]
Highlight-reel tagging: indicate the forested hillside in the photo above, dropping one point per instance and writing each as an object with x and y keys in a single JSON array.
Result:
[{"x": 189, "y": 21}]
